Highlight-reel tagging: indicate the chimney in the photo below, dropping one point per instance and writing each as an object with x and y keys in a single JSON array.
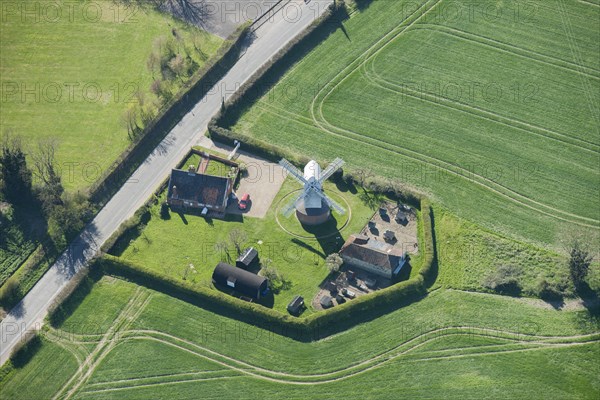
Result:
[{"x": 174, "y": 191}]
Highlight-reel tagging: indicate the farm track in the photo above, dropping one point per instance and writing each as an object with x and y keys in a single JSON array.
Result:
[
  {"x": 108, "y": 341},
  {"x": 437, "y": 163},
  {"x": 512, "y": 49},
  {"x": 517, "y": 342},
  {"x": 502, "y": 190},
  {"x": 588, "y": 3},
  {"x": 576, "y": 54},
  {"x": 227, "y": 367},
  {"x": 377, "y": 80}
]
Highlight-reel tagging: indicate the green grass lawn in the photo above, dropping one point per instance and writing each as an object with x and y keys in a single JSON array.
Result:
[
  {"x": 103, "y": 62},
  {"x": 174, "y": 349},
  {"x": 169, "y": 246},
  {"x": 495, "y": 117}
]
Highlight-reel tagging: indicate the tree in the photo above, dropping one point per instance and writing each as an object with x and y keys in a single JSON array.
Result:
[
  {"x": 223, "y": 249},
  {"x": 153, "y": 62},
  {"x": 238, "y": 238},
  {"x": 361, "y": 176},
  {"x": 504, "y": 279},
  {"x": 276, "y": 280},
  {"x": 580, "y": 260},
  {"x": 68, "y": 220},
  {"x": 334, "y": 262},
  {"x": 44, "y": 161},
  {"x": 16, "y": 176},
  {"x": 129, "y": 120}
]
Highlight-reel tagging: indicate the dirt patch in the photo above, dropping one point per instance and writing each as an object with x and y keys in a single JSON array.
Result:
[
  {"x": 405, "y": 231},
  {"x": 352, "y": 279}
]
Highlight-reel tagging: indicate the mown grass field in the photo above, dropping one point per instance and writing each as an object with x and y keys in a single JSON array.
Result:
[
  {"x": 445, "y": 346},
  {"x": 71, "y": 69},
  {"x": 169, "y": 246},
  {"x": 491, "y": 108}
]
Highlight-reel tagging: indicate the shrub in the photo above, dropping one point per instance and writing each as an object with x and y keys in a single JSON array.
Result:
[
  {"x": 580, "y": 260},
  {"x": 334, "y": 262},
  {"x": 547, "y": 290},
  {"x": 505, "y": 279},
  {"x": 11, "y": 291},
  {"x": 164, "y": 211}
]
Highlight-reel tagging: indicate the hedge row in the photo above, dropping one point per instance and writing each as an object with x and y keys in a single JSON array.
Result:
[
  {"x": 265, "y": 78},
  {"x": 142, "y": 214},
  {"x": 196, "y": 88},
  {"x": 309, "y": 328}
]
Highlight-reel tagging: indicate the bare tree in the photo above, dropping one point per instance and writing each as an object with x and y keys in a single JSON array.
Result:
[
  {"x": 129, "y": 121},
  {"x": 178, "y": 65},
  {"x": 238, "y": 238},
  {"x": 361, "y": 176},
  {"x": 153, "y": 62},
  {"x": 44, "y": 162},
  {"x": 223, "y": 249}
]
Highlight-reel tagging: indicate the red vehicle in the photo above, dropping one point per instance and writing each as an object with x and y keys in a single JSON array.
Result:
[{"x": 244, "y": 200}]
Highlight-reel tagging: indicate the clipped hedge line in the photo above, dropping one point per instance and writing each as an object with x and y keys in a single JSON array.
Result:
[
  {"x": 265, "y": 77},
  {"x": 200, "y": 83},
  {"x": 308, "y": 328},
  {"x": 429, "y": 268},
  {"x": 203, "y": 296}
]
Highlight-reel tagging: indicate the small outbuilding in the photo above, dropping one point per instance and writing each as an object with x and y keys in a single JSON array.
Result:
[
  {"x": 296, "y": 305},
  {"x": 241, "y": 281},
  {"x": 401, "y": 218},
  {"x": 326, "y": 302},
  {"x": 248, "y": 259},
  {"x": 340, "y": 299}
]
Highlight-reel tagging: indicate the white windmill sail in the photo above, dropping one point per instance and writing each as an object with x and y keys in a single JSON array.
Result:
[{"x": 312, "y": 179}]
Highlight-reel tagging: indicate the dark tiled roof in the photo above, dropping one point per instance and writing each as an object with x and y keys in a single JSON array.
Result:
[
  {"x": 372, "y": 252},
  {"x": 205, "y": 189}
]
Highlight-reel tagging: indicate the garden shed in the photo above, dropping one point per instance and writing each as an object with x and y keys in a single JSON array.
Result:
[{"x": 248, "y": 259}]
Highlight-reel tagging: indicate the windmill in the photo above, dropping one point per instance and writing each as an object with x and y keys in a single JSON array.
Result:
[{"x": 312, "y": 206}]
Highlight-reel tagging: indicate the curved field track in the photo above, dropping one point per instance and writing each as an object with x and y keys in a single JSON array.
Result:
[
  {"x": 415, "y": 349},
  {"x": 370, "y": 101}
]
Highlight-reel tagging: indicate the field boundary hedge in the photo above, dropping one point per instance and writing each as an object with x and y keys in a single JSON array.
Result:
[
  {"x": 194, "y": 89},
  {"x": 263, "y": 78},
  {"x": 313, "y": 327}
]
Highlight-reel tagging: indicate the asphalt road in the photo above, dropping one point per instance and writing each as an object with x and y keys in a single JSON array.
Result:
[{"x": 29, "y": 314}]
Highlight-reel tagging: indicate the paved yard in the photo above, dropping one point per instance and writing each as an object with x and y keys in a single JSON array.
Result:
[{"x": 263, "y": 181}]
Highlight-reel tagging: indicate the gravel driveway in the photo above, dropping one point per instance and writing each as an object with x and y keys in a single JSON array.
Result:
[{"x": 262, "y": 182}]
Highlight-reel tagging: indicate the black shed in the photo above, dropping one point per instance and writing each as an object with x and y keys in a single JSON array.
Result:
[
  {"x": 241, "y": 281},
  {"x": 296, "y": 305},
  {"x": 248, "y": 259}
]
